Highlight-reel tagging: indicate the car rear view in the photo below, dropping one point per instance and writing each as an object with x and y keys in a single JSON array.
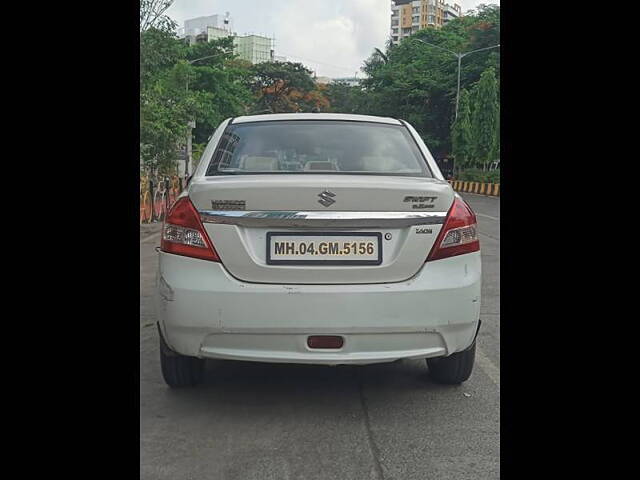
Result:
[{"x": 318, "y": 238}]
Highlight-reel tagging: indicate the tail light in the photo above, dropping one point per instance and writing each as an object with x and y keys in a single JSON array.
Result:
[
  {"x": 183, "y": 233},
  {"x": 459, "y": 235}
]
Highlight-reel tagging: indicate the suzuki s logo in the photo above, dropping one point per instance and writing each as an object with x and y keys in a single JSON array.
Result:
[{"x": 326, "y": 198}]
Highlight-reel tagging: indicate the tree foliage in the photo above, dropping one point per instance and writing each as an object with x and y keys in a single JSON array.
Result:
[
  {"x": 485, "y": 117},
  {"x": 344, "y": 98},
  {"x": 221, "y": 83},
  {"x": 418, "y": 82},
  {"x": 159, "y": 50},
  {"x": 310, "y": 101},
  {"x": 279, "y": 86},
  {"x": 461, "y": 137},
  {"x": 179, "y": 84},
  {"x": 165, "y": 110}
]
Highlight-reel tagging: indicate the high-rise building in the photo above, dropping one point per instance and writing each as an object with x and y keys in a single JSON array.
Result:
[{"x": 409, "y": 16}]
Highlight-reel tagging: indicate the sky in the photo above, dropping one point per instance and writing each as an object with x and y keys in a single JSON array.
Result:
[{"x": 330, "y": 37}]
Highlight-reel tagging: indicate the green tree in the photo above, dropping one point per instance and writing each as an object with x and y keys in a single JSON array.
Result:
[
  {"x": 485, "y": 117},
  {"x": 461, "y": 138},
  {"x": 159, "y": 50},
  {"x": 163, "y": 104},
  {"x": 165, "y": 110},
  {"x": 344, "y": 98},
  {"x": 418, "y": 82},
  {"x": 495, "y": 153},
  {"x": 482, "y": 29},
  {"x": 174, "y": 91},
  {"x": 220, "y": 82}
]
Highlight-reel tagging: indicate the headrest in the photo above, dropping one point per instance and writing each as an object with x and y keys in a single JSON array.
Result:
[
  {"x": 381, "y": 164},
  {"x": 260, "y": 163},
  {"x": 317, "y": 165}
]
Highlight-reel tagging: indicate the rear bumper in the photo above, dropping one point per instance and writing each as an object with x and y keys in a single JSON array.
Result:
[{"x": 203, "y": 311}]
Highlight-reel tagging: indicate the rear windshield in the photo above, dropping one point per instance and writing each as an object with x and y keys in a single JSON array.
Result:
[{"x": 315, "y": 146}]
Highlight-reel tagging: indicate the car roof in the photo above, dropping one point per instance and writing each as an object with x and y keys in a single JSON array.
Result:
[{"x": 315, "y": 116}]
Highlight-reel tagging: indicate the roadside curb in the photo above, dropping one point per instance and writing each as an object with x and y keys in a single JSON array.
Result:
[{"x": 489, "y": 189}]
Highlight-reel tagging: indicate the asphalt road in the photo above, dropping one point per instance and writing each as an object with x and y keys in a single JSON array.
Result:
[{"x": 274, "y": 421}]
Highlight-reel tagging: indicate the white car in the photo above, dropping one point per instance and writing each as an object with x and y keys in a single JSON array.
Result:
[{"x": 318, "y": 238}]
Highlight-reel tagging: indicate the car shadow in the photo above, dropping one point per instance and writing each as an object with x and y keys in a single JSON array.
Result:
[{"x": 252, "y": 384}]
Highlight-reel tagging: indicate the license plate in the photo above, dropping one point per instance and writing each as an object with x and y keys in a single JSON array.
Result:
[{"x": 324, "y": 248}]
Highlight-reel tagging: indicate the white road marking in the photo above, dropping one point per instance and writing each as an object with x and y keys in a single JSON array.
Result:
[
  {"x": 146, "y": 239},
  {"x": 487, "y": 216},
  {"x": 489, "y": 368}
]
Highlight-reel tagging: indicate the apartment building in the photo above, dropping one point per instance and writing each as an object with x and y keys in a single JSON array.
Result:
[{"x": 409, "y": 16}]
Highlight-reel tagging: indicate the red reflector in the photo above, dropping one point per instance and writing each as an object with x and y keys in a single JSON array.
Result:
[{"x": 325, "y": 341}]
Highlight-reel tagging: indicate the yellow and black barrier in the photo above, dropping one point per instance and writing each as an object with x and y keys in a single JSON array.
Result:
[{"x": 491, "y": 189}]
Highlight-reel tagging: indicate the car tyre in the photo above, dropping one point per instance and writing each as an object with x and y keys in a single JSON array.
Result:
[
  {"x": 180, "y": 371},
  {"x": 454, "y": 369}
]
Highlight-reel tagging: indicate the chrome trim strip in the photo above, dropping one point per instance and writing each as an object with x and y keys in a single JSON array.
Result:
[{"x": 293, "y": 218}]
